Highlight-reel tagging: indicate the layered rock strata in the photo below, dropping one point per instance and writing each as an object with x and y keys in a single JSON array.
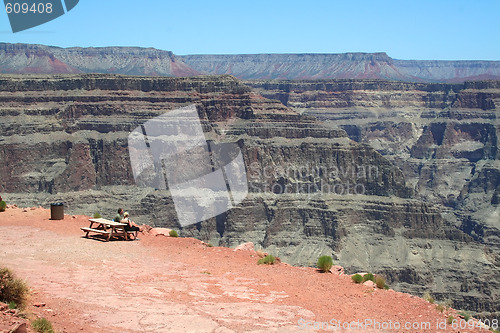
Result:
[{"x": 314, "y": 188}]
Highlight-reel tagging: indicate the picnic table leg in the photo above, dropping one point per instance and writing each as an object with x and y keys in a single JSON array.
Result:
[
  {"x": 90, "y": 227},
  {"x": 110, "y": 233}
]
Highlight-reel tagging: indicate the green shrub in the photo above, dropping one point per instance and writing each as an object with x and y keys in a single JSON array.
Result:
[
  {"x": 325, "y": 263},
  {"x": 97, "y": 215},
  {"x": 357, "y": 278},
  {"x": 368, "y": 277},
  {"x": 380, "y": 282},
  {"x": 428, "y": 297},
  {"x": 440, "y": 307},
  {"x": 465, "y": 314},
  {"x": 3, "y": 206},
  {"x": 173, "y": 233},
  {"x": 267, "y": 260},
  {"x": 42, "y": 325},
  {"x": 12, "y": 289},
  {"x": 450, "y": 320},
  {"x": 12, "y": 305}
]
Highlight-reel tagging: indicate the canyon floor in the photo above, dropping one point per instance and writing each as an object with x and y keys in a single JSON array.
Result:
[{"x": 164, "y": 284}]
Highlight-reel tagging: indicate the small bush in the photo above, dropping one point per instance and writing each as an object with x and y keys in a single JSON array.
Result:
[
  {"x": 97, "y": 215},
  {"x": 12, "y": 305},
  {"x": 267, "y": 260},
  {"x": 380, "y": 282},
  {"x": 428, "y": 297},
  {"x": 368, "y": 277},
  {"x": 3, "y": 206},
  {"x": 440, "y": 307},
  {"x": 357, "y": 278},
  {"x": 173, "y": 233},
  {"x": 12, "y": 289},
  {"x": 464, "y": 314},
  {"x": 42, "y": 325},
  {"x": 450, "y": 320},
  {"x": 325, "y": 263}
]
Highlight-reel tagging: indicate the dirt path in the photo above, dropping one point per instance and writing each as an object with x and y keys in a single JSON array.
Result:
[{"x": 161, "y": 284}]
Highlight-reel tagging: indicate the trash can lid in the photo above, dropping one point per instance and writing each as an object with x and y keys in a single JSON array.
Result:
[{"x": 57, "y": 204}]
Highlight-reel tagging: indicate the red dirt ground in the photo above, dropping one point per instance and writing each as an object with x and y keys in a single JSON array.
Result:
[{"x": 163, "y": 284}]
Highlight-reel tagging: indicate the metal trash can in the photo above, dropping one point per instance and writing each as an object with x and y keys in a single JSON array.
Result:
[{"x": 57, "y": 211}]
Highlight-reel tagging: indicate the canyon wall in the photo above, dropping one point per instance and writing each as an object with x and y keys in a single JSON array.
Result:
[
  {"x": 41, "y": 59},
  {"x": 362, "y": 188},
  {"x": 341, "y": 66}
]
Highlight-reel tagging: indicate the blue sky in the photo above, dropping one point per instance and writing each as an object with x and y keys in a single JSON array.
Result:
[{"x": 405, "y": 29}]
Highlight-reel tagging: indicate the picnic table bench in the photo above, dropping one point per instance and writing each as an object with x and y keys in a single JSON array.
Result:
[{"x": 107, "y": 227}]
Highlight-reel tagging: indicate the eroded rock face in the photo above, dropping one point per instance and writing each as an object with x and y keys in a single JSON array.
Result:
[
  {"x": 341, "y": 66},
  {"x": 444, "y": 138},
  {"x": 315, "y": 188},
  {"x": 40, "y": 59},
  {"x": 33, "y": 59}
]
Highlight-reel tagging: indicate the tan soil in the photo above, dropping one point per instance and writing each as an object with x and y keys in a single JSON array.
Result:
[{"x": 162, "y": 284}]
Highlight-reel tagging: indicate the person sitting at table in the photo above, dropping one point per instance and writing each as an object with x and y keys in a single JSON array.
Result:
[
  {"x": 131, "y": 226},
  {"x": 119, "y": 216}
]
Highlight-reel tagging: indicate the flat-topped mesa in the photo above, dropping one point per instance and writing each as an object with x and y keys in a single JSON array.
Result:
[
  {"x": 29, "y": 58},
  {"x": 33, "y": 58},
  {"x": 342, "y": 66},
  {"x": 297, "y": 66}
]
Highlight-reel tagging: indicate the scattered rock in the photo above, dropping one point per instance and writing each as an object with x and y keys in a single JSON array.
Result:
[
  {"x": 337, "y": 270},
  {"x": 261, "y": 253},
  {"x": 245, "y": 247},
  {"x": 3, "y": 307},
  {"x": 14, "y": 312},
  {"x": 369, "y": 283},
  {"x": 160, "y": 232},
  {"x": 73, "y": 216},
  {"x": 39, "y": 304},
  {"x": 19, "y": 328},
  {"x": 25, "y": 210},
  {"x": 145, "y": 228},
  {"x": 33, "y": 208}
]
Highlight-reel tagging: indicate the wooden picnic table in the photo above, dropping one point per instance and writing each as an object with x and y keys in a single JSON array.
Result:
[{"x": 106, "y": 227}]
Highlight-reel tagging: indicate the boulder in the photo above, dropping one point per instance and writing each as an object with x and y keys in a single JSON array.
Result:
[
  {"x": 3, "y": 306},
  {"x": 160, "y": 232},
  {"x": 245, "y": 247},
  {"x": 19, "y": 328},
  {"x": 369, "y": 283},
  {"x": 145, "y": 228},
  {"x": 337, "y": 270}
]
